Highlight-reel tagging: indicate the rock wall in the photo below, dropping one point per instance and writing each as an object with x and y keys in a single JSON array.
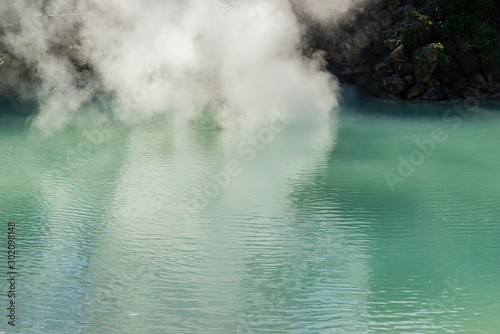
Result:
[
  {"x": 19, "y": 78},
  {"x": 366, "y": 49}
]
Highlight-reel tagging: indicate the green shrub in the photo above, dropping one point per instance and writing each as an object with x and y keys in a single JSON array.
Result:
[
  {"x": 443, "y": 59},
  {"x": 419, "y": 31},
  {"x": 461, "y": 20},
  {"x": 486, "y": 40},
  {"x": 457, "y": 7},
  {"x": 412, "y": 38}
]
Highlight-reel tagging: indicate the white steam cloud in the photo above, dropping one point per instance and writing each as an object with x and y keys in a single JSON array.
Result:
[{"x": 236, "y": 59}]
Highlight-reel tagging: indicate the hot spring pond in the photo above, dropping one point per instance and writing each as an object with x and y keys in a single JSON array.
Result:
[{"x": 386, "y": 218}]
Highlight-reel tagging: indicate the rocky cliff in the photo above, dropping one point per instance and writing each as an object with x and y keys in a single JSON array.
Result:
[{"x": 408, "y": 50}]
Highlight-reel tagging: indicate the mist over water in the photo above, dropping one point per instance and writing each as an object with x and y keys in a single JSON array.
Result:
[{"x": 235, "y": 60}]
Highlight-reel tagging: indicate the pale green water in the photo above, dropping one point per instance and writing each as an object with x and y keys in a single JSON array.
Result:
[{"x": 120, "y": 229}]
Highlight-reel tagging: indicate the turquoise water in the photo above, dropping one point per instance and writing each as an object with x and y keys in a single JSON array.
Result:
[{"x": 384, "y": 219}]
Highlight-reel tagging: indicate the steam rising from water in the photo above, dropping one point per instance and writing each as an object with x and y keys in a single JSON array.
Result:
[{"x": 236, "y": 60}]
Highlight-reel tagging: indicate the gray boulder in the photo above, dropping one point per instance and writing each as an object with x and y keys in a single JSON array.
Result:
[
  {"x": 434, "y": 94},
  {"x": 495, "y": 96},
  {"x": 471, "y": 93},
  {"x": 416, "y": 91},
  {"x": 378, "y": 46},
  {"x": 434, "y": 83},
  {"x": 476, "y": 80},
  {"x": 384, "y": 18},
  {"x": 404, "y": 68},
  {"x": 391, "y": 44},
  {"x": 399, "y": 27},
  {"x": 446, "y": 91},
  {"x": 399, "y": 55},
  {"x": 394, "y": 97},
  {"x": 388, "y": 34},
  {"x": 382, "y": 70},
  {"x": 410, "y": 81},
  {"x": 394, "y": 85}
]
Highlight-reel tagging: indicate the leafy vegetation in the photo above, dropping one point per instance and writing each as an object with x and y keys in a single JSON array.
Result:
[
  {"x": 457, "y": 20},
  {"x": 6, "y": 60},
  {"x": 443, "y": 58},
  {"x": 462, "y": 21},
  {"x": 457, "y": 7},
  {"x": 419, "y": 31}
]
